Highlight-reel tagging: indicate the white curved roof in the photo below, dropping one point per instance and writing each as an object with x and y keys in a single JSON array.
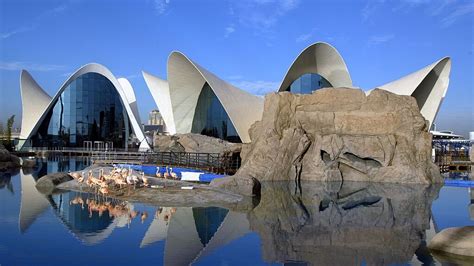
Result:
[
  {"x": 186, "y": 80},
  {"x": 34, "y": 103},
  {"x": 131, "y": 99},
  {"x": 319, "y": 58},
  {"x": 160, "y": 92},
  {"x": 428, "y": 85},
  {"x": 33, "y": 124}
]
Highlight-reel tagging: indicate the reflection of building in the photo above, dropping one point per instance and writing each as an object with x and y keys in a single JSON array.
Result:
[
  {"x": 471, "y": 205},
  {"x": 92, "y": 105},
  {"x": 33, "y": 203},
  {"x": 195, "y": 100}
]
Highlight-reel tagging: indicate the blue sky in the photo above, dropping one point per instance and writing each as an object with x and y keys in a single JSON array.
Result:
[{"x": 250, "y": 43}]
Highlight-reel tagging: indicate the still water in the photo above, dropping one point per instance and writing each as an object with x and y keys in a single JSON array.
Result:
[{"x": 325, "y": 224}]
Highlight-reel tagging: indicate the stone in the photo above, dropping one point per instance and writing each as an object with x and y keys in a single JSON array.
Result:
[
  {"x": 194, "y": 143},
  {"x": 339, "y": 134},
  {"x": 48, "y": 183},
  {"x": 243, "y": 186},
  {"x": 455, "y": 240}
]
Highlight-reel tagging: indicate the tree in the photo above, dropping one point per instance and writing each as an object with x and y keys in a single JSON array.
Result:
[
  {"x": 10, "y": 122},
  {"x": 8, "y": 140}
]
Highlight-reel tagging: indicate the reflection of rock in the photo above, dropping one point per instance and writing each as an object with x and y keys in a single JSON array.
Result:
[
  {"x": 455, "y": 240},
  {"x": 194, "y": 143},
  {"x": 342, "y": 224},
  {"x": 340, "y": 134},
  {"x": 28, "y": 163},
  {"x": 8, "y": 160}
]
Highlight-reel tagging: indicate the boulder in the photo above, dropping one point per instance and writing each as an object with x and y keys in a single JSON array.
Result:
[
  {"x": 455, "y": 240},
  {"x": 245, "y": 186},
  {"x": 194, "y": 143},
  {"x": 340, "y": 134},
  {"x": 48, "y": 183}
]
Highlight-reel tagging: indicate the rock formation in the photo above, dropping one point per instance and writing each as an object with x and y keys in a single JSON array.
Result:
[
  {"x": 7, "y": 160},
  {"x": 356, "y": 223},
  {"x": 194, "y": 143},
  {"x": 339, "y": 134},
  {"x": 455, "y": 240}
]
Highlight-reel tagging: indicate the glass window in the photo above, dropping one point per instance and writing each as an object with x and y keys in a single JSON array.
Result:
[
  {"x": 307, "y": 83},
  {"x": 211, "y": 119},
  {"x": 89, "y": 109}
]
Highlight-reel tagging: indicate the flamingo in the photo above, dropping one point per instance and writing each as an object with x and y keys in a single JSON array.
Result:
[
  {"x": 166, "y": 174},
  {"x": 144, "y": 179},
  {"x": 144, "y": 216},
  {"x": 120, "y": 182},
  {"x": 104, "y": 190},
  {"x": 173, "y": 174},
  {"x": 158, "y": 173}
]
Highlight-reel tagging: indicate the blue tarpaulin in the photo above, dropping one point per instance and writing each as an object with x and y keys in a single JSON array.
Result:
[{"x": 150, "y": 170}]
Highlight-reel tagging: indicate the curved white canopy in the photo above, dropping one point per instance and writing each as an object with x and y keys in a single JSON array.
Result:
[
  {"x": 428, "y": 85},
  {"x": 160, "y": 92},
  {"x": 186, "y": 80},
  {"x": 34, "y": 103},
  {"x": 319, "y": 58}
]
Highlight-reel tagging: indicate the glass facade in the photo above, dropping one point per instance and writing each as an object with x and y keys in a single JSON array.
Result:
[
  {"x": 89, "y": 109},
  {"x": 211, "y": 119},
  {"x": 307, "y": 83}
]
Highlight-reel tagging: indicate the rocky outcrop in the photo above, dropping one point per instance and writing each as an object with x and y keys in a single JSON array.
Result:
[
  {"x": 455, "y": 240},
  {"x": 340, "y": 134},
  {"x": 7, "y": 160},
  {"x": 353, "y": 223},
  {"x": 194, "y": 143},
  {"x": 48, "y": 183}
]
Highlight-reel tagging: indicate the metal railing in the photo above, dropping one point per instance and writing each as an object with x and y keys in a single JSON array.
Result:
[{"x": 211, "y": 162}]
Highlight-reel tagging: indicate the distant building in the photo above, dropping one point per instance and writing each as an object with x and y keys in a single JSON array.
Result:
[
  {"x": 155, "y": 118},
  {"x": 155, "y": 123}
]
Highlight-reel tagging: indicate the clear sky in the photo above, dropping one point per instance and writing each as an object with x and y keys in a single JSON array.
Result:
[{"x": 249, "y": 43}]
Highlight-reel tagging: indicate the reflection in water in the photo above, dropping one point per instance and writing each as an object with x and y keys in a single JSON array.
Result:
[
  {"x": 6, "y": 182},
  {"x": 190, "y": 233},
  {"x": 319, "y": 223},
  {"x": 187, "y": 233},
  {"x": 33, "y": 203},
  {"x": 352, "y": 224},
  {"x": 89, "y": 218}
]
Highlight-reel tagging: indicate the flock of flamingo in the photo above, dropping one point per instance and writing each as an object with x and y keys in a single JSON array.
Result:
[{"x": 119, "y": 177}]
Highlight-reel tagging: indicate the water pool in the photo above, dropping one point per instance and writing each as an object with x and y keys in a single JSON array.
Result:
[{"x": 357, "y": 224}]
